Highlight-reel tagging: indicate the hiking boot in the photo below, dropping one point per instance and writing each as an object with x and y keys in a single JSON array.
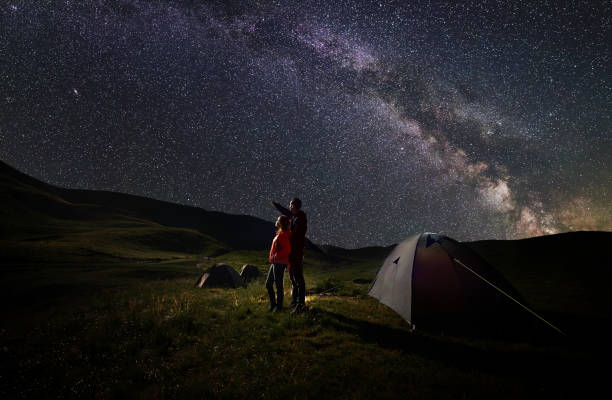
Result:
[
  {"x": 278, "y": 308},
  {"x": 272, "y": 308}
]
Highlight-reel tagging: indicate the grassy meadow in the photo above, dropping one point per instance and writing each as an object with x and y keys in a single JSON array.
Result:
[{"x": 99, "y": 329}]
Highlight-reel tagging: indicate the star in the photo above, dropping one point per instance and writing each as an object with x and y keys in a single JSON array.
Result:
[{"x": 386, "y": 119}]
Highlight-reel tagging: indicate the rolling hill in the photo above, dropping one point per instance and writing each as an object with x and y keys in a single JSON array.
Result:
[
  {"x": 574, "y": 266},
  {"x": 42, "y": 221}
]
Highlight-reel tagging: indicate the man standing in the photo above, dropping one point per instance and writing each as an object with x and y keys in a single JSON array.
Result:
[{"x": 296, "y": 258}]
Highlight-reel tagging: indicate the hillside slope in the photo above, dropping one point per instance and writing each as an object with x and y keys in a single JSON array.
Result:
[
  {"x": 41, "y": 223},
  {"x": 44, "y": 222},
  {"x": 567, "y": 273},
  {"x": 31, "y": 207}
]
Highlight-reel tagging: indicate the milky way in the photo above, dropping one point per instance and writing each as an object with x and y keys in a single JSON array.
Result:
[{"x": 481, "y": 120}]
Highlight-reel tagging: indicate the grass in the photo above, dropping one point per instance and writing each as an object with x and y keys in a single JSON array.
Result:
[{"x": 117, "y": 330}]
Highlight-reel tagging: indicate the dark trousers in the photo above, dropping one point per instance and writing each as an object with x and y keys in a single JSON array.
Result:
[
  {"x": 275, "y": 276},
  {"x": 298, "y": 285}
]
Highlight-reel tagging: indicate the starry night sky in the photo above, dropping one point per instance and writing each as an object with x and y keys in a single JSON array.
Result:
[{"x": 478, "y": 119}]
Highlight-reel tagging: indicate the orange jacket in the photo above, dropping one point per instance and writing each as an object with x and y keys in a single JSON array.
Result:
[{"x": 281, "y": 247}]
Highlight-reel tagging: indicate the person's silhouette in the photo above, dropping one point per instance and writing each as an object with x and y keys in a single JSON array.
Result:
[{"x": 296, "y": 258}]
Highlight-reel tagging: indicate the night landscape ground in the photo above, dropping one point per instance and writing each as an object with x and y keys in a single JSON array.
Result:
[{"x": 98, "y": 302}]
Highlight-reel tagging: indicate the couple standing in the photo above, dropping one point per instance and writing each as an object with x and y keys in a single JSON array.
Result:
[{"x": 288, "y": 249}]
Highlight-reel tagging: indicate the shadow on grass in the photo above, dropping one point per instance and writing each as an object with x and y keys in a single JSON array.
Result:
[{"x": 522, "y": 360}]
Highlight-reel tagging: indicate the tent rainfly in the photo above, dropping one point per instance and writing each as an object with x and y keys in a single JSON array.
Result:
[
  {"x": 219, "y": 275},
  {"x": 433, "y": 281},
  {"x": 249, "y": 272}
]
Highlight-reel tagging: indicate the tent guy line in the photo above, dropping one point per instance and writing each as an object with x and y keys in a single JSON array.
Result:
[{"x": 508, "y": 296}]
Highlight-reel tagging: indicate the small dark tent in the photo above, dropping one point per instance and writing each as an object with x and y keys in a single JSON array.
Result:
[
  {"x": 249, "y": 272},
  {"x": 220, "y": 275},
  {"x": 433, "y": 281}
]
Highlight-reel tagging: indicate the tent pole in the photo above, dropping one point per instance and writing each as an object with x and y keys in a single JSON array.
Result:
[{"x": 508, "y": 296}]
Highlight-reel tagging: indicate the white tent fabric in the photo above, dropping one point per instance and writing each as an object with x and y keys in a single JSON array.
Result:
[{"x": 393, "y": 284}]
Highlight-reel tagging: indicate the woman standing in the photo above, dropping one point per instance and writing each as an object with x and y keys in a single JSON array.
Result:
[{"x": 279, "y": 258}]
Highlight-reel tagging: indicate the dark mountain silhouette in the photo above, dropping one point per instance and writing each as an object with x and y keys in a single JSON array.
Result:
[
  {"x": 564, "y": 253},
  {"x": 29, "y": 205}
]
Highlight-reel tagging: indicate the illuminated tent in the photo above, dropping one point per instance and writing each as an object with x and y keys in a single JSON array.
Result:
[
  {"x": 219, "y": 275},
  {"x": 433, "y": 281}
]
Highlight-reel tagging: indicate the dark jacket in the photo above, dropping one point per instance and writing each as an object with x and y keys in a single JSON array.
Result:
[{"x": 299, "y": 225}]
